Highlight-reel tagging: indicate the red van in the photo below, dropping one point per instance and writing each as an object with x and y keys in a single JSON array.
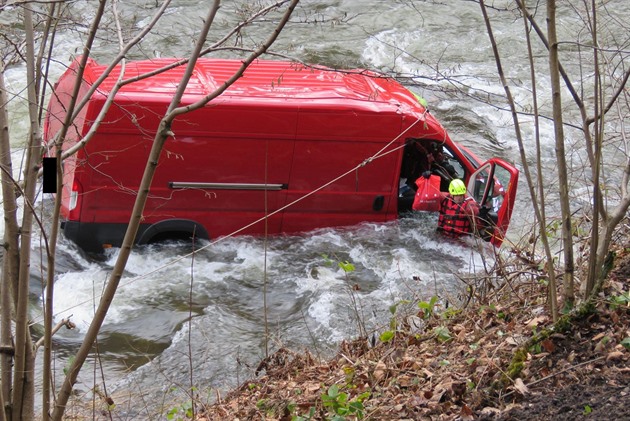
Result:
[{"x": 287, "y": 148}]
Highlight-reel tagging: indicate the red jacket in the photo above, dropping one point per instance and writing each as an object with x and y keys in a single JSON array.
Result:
[{"x": 457, "y": 218}]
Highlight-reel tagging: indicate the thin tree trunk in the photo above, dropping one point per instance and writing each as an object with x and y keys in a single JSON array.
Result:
[
  {"x": 6, "y": 343},
  {"x": 47, "y": 382},
  {"x": 24, "y": 386},
  {"x": 8, "y": 281},
  {"x": 538, "y": 207},
  {"x": 595, "y": 144},
  {"x": 539, "y": 204},
  {"x": 568, "y": 293}
]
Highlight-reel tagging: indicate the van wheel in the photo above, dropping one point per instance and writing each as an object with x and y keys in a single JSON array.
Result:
[{"x": 173, "y": 230}]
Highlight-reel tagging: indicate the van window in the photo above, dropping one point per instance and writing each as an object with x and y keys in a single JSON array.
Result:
[
  {"x": 421, "y": 155},
  {"x": 448, "y": 167}
]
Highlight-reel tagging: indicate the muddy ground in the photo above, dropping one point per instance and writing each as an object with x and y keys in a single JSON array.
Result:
[{"x": 598, "y": 390}]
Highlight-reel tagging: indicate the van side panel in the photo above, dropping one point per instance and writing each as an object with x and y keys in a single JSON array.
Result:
[
  {"x": 330, "y": 142},
  {"x": 217, "y": 177}
]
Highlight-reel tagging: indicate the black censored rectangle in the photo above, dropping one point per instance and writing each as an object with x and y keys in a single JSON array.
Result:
[{"x": 50, "y": 175}]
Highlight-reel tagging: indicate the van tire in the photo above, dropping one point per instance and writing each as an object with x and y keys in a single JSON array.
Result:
[{"x": 173, "y": 229}]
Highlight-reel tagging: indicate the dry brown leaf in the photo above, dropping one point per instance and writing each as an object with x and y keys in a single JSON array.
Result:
[
  {"x": 466, "y": 413},
  {"x": 490, "y": 411},
  {"x": 614, "y": 317},
  {"x": 461, "y": 335},
  {"x": 380, "y": 371},
  {"x": 420, "y": 400},
  {"x": 460, "y": 328},
  {"x": 531, "y": 323},
  {"x": 405, "y": 381},
  {"x": 438, "y": 392},
  {"x": 548, "y": 345},
  {"x": 313, "y": 387},
  {"x": 614, "y": 356},
  {"x": 511, "y": 340},
  {"x": 520, "y": 386}
]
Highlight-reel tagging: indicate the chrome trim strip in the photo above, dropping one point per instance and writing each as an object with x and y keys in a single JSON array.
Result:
[{"x": 225, "y": 186}]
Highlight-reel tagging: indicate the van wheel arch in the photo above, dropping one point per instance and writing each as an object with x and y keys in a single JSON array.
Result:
[{"x": 173, "y": 229}]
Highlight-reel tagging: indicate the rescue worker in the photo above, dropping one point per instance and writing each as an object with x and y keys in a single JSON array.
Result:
[
  {"x": 441, "y": 166},
  {"x": 457, "y": 211}
]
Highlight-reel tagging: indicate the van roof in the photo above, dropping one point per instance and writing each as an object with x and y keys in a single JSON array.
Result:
[{"x": 267, "y": 79}]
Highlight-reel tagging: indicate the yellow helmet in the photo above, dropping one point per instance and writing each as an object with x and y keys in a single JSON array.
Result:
[{"x": 457, "y": 187}]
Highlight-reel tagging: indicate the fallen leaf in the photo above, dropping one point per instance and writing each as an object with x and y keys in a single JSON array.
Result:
[
  {"x": 461, "y": 335},
  {"x": 380, "y": 371},
  {"x": 490, "y": 411},
  {"x": 418, "y": 401},
  {"x": 437, "y": 395},
  {"x": 514, "y": 340},
  {"x": 535, "y": 321},
  {"x": 404, "y": 381},
  {"x": 466, "y": 413},
  {"x": 614, "y": 356},
  {"x": 548, "y": 345},
  {"x": 520, "y": 386},
  {"x": 313, "y": 387},
  {"x": 614, "y": 317}
]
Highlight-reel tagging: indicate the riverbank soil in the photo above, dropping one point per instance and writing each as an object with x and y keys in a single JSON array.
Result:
[{"x": 478, "y": 363}]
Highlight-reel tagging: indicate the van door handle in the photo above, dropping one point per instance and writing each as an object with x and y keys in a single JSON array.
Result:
[{"x": 379, "y": 202}]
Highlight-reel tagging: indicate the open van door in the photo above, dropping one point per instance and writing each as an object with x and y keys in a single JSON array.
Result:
[{"x": 493, "y": 186}]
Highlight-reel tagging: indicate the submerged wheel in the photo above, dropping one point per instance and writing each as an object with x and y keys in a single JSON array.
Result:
[{"x": 173, "y": 229}]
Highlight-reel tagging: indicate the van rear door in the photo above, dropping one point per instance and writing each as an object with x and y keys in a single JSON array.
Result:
[{"x": 495, "y": 198}]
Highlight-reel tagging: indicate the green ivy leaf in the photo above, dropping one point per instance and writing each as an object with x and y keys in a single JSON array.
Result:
[
  {"x": 387, "y": 336},
  {"x": 442, "y": 333},
  {"x": 346, "y": 266}
]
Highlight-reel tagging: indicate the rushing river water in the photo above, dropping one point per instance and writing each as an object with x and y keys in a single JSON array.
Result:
[{"x": 175, "y": 311}]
